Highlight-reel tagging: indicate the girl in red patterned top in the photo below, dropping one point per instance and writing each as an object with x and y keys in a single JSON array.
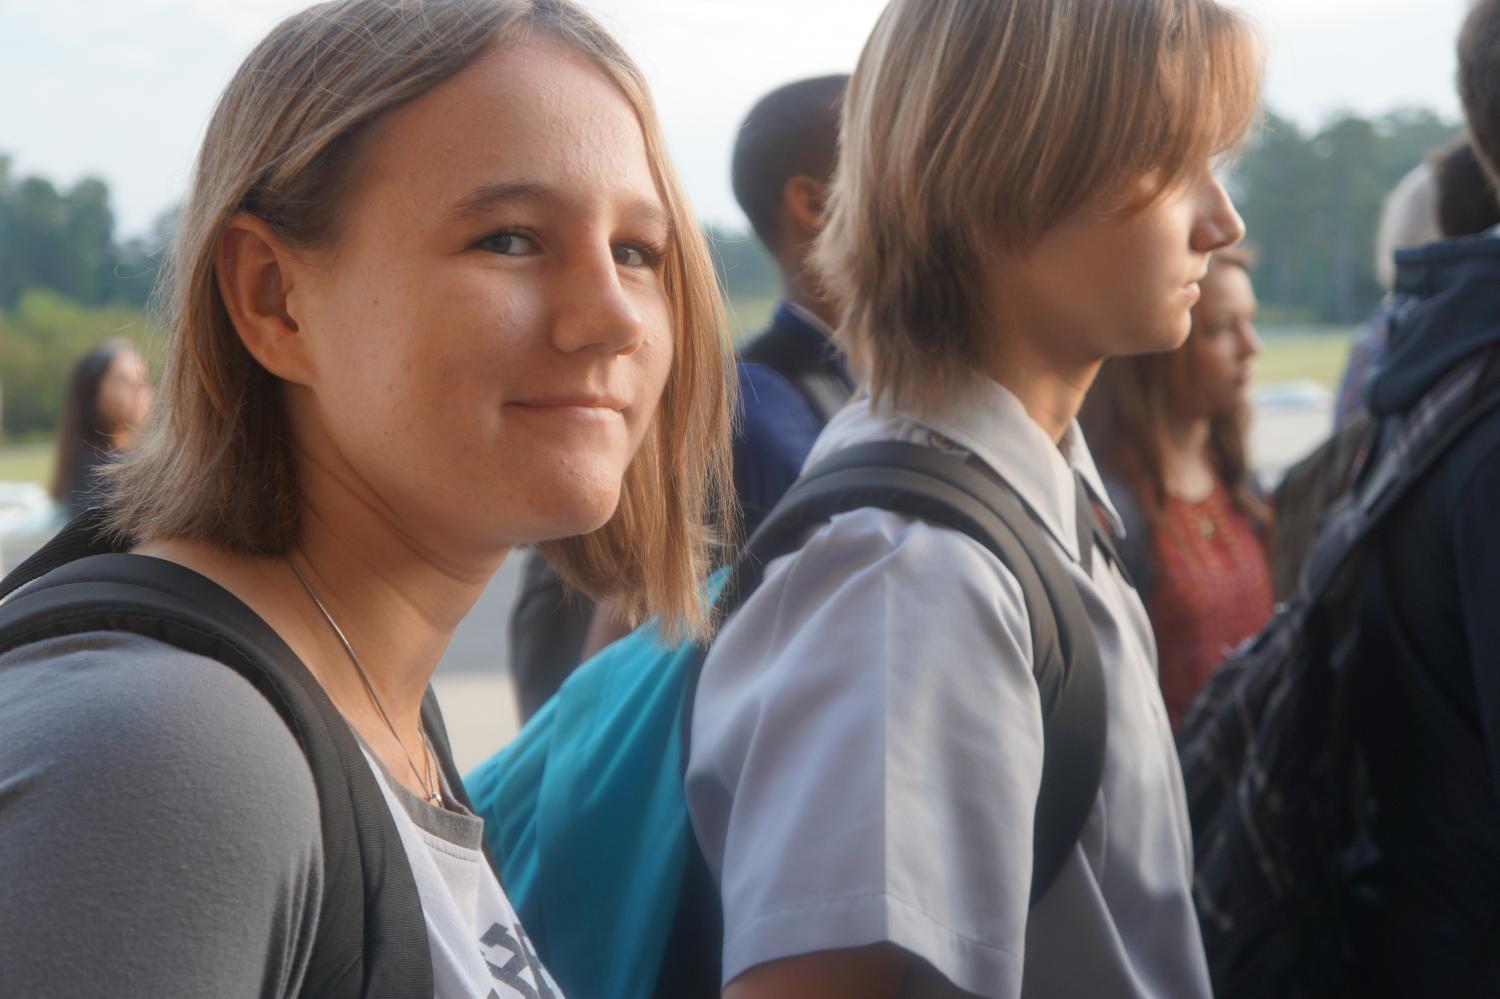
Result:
[{"x": 1170, "y": 434}]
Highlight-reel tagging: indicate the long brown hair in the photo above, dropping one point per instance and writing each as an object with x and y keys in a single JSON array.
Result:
[
  {"x": 83, "y": 441},
  {"x": 1129, "y": 412},
  {"x": 217, "y": 463}
]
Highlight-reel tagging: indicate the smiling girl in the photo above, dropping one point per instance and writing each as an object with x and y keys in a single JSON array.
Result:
[{"x": 436, "y": 293}]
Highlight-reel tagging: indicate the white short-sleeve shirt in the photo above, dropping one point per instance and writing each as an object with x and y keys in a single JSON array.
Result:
[{"x": 867, "y": 749}]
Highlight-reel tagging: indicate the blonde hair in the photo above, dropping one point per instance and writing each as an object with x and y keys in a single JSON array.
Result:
[
  {"x": 971, "y": 127},
  {"x": 283, "y": 143}
]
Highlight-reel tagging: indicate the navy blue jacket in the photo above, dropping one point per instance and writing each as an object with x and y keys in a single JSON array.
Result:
[
  {"x": 780, "y": 420},
  {"x": 1428, "y": 683}
]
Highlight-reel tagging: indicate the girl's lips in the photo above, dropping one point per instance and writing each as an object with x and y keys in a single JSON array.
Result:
[{"x": 572, "y": 401}]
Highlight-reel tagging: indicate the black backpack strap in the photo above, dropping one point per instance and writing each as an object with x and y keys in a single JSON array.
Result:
[
  {"x": 812, "y": 369},
  {"x": 371, "y": 938},
  {"x": 941, "y": 489}
]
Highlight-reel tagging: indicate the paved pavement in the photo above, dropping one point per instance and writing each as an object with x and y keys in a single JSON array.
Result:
[{"x": 473, "y": 680}]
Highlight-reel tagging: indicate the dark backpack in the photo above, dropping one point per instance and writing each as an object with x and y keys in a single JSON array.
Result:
[
  {"x": 1267, "y": 751},
  {"x": 370, "y": 939},
  {"x": 812, "y": 368},
  {"x": 586, "y": 810}
]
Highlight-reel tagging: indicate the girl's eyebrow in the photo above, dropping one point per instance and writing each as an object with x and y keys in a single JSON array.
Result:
[{"x": 483, "y": 199}]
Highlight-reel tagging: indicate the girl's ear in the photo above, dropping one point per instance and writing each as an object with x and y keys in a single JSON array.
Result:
[{"x": 255, "y": 272}]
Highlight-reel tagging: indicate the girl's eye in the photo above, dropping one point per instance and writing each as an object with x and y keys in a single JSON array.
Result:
[
  {"x": 636, "y": 255},
  {"x": 508, "y": 244}
]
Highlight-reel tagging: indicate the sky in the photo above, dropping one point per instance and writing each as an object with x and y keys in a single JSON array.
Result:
[{"x": 121, "y": 89}]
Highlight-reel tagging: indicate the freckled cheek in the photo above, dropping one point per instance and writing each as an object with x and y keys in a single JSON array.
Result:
[
  {"x": 656, "y": 355},
  {"x": 478, "y": 337}
]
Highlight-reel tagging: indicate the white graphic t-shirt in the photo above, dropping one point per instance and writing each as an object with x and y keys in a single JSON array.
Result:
[{"x": 478, "y": 946}]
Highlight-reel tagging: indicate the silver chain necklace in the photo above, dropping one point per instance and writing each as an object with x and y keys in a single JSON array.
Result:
[{"x": 430, "y": 781}]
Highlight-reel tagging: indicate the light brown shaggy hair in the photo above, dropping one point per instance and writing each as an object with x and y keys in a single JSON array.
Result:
[
  {"x": 972, "y": 127},
  {"x": 218, "y": 464}
]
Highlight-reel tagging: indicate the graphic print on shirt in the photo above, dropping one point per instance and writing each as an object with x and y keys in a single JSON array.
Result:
[{"x": 521, "y": 973}]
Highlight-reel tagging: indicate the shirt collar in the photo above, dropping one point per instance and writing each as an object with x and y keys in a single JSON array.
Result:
[
  {"x": 791, "y": 313},
  {"x": 991, "y": 423}
]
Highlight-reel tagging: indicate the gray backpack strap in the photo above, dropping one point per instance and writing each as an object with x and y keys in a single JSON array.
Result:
[{"x": 944, "y": 490}]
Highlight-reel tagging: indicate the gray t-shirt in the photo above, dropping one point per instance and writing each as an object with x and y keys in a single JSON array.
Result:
[{"x": 199, "y": 869}]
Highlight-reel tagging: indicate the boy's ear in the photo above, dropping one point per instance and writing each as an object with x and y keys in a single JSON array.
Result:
[
  {"x": 805, "y": 199},
  {"x": 255, "y": 272}
]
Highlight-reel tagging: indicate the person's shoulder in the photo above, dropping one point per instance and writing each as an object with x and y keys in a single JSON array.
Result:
[
  {"x": 870, "y": 572},
  {"x": 903, "y": 548},
  {"x": 767, "y": 395},
  {"x": 152, "y": 797},
  {"x": 163, "y": 722}
]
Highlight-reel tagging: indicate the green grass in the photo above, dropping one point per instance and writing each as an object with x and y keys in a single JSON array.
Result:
[
  {"x": 30, "y": 462},
  {"x": 1314, "y": 353},
  {"x": 748, "y": 316}
]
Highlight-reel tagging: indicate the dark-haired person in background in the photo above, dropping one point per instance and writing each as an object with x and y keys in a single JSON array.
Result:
[
  {"x": 791, "y": 377},
  {"x": 792, "y": 380},
  {"x": 1171, "y": 435},
  {"x": 1426, "y": 695},
  {"x": 108, "y": 399}
]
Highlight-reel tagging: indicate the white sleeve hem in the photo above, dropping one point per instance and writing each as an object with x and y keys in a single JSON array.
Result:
[{"x": 877, "y": 917}]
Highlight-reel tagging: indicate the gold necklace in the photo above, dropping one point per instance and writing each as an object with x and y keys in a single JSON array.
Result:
[{"x": 430, "y": 782}]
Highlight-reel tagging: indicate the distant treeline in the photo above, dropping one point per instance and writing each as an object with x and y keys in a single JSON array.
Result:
[{"x": 1311, "y": 201}]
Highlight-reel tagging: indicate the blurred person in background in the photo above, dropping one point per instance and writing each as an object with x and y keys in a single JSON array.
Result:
[
  {"x": 1451, "y": 191},
  {"x": 1426, "y": 696},
  {"x": 1446, "y": 196},
  {"x": 1171, "y": 435},
  {"x": 1408, "y": 218},
  {"x": 107, "y": 401},
  {"x": 792, "y": 378}
]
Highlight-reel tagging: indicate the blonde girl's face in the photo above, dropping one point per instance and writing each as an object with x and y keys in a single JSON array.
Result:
[{"x": 491, "y": 334}]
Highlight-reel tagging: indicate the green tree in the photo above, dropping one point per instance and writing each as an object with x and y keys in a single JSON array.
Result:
[
  {"x": 40, "y": 341},
  {"x": 64, "y": 240},
  {"x": 745, "y": 269},
  {"x": 1312, "y": 202}
]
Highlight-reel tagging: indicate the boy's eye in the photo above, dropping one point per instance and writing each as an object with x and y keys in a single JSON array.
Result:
[{"x": 510, "y": 244}]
